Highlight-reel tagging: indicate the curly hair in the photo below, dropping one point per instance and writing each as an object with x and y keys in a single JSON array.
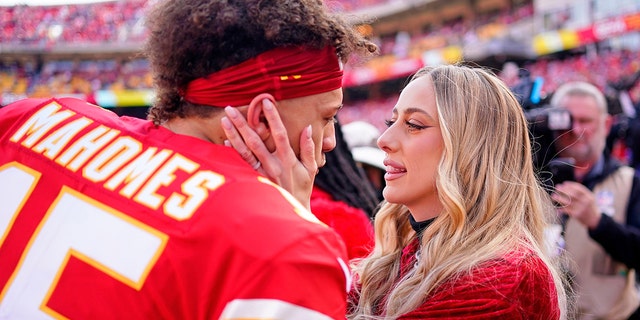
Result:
[{"x": 190, "y": 39}]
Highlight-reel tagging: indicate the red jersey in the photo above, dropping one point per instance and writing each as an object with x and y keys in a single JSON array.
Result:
[{"x": 107, "y": 217}]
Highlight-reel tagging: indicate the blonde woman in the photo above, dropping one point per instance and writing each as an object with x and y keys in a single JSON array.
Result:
[{"x": 461, "y": 232}]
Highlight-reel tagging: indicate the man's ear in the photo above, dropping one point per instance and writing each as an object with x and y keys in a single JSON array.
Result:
[{"x": 254, "y": 113}]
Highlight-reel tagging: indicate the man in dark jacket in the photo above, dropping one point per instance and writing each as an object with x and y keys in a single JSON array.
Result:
[{"x": 604, "y": 199}]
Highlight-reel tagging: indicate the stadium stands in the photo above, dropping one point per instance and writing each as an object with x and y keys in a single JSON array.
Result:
[{"x": 90, "y": 49}]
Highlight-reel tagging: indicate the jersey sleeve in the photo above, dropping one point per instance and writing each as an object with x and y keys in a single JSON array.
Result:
[
  {"x": 293, "y": 265},
  {"x": 301, "y": 283}
]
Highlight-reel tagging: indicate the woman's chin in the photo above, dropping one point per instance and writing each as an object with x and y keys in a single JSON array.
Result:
[{"x": 391, "y": 196}]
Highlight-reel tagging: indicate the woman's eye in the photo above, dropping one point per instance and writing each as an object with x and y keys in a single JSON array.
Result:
[
  {"x": 412, "y": 126},
  {"x": 415, "y": 126}
]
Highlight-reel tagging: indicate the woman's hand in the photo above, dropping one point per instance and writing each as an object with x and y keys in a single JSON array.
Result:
[{"x": 281, "y": 166}]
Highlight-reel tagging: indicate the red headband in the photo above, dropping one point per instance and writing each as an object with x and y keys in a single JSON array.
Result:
[{"x": 285, "y": 73}]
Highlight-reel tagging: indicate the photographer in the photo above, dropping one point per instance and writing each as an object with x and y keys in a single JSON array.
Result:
[{"x": 602, "y": 207}]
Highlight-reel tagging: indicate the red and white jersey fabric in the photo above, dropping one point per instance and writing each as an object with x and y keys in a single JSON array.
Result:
[{"x": 107, "y": 217}]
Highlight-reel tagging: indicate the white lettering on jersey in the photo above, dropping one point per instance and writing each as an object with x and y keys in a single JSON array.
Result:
[
  {"x": 52, "y": 144},
  {"x": 138, "y": 171},
  {"x": 85, "y": 147},
  {"x": 80, "y": 227},
  {"x": 181, "y": 207},
  {"x": 41, "y": 123},
  {"x": 102, "y": 154},
  {"x": 121, "y": 151}
]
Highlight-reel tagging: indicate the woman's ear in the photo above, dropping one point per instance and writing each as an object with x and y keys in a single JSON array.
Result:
[{"x": 254, "y": 113}]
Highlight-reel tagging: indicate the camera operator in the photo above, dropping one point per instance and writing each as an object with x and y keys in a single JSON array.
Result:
[
  {"x": 602, "y": 232},
  {"x": 628, "y": 127}
]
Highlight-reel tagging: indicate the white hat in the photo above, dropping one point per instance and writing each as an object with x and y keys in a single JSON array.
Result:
[
  {"x": 369, "y": 155},
  {"x": 361, "y": 138}
]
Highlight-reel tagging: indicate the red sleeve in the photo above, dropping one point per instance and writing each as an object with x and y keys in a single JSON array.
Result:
[
  {"x": 301, "y": 274},
  {"x": 501, "y": 290}
]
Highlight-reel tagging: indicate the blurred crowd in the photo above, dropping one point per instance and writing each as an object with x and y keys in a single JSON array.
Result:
[
  {"x": 460, "y": 32},
  {"x": 73, "y": 77},
  {"x": 73, "y": 23},
  {"x": 108, "y": 21},
  {"x": 121, "y": 22},
  {"x": 605, "y": 69}
]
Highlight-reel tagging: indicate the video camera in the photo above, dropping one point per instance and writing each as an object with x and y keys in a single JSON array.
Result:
[
  {"x": 547, "y": 119},
  {"x": 544, "y": 121}
]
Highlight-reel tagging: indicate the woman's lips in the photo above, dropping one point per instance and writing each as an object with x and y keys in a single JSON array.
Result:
[{"x": 394, "y": 170}]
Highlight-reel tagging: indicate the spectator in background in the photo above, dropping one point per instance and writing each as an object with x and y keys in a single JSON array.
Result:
[
  {"x": 361, "y": 138},
  {"x": 633, "y": 139},
  {"x": 624, "y": 137},
  {"x": 602, "y": 206},
  {"x": 510, "y": 74},
  {"x": 105, "y": 217},
  {"x": 461, "y": 234},
  {"x": 343, "y": 198}
]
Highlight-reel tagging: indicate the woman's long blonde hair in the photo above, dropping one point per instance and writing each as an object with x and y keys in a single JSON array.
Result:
[{"x": 493, "y": 202}]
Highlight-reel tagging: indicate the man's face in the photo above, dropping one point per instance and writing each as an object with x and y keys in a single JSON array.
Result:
[
  {"x": 586, "y": 140},
  {"x": 317, "y": 110}
]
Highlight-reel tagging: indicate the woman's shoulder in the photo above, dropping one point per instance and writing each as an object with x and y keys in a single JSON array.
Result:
[
  {"x": 516, "y": 285},
  {"x": 521, "y": 278},
  {"x": 515, "y": 273}
]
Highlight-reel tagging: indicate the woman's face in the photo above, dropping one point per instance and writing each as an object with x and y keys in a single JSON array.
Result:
[{"x": 413, "y": 144}]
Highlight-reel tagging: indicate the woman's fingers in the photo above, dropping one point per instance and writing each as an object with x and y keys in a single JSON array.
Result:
[
  {"x": 307, "y": 151},
  {"x": 297, "y": 175},
  {"x": 284, "y": 156},
  {"x": 242, "y": 138},
  {"x": 282, "y": 166},
  {"x": 278, "y": 131},
  {"x": 281, "y": 139}
]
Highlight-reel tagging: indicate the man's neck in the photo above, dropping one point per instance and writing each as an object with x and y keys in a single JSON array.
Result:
[{"x": 207, "y": 129}]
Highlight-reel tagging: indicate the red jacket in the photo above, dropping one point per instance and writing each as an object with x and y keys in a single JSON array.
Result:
[{"x": 516, "y": 286}]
